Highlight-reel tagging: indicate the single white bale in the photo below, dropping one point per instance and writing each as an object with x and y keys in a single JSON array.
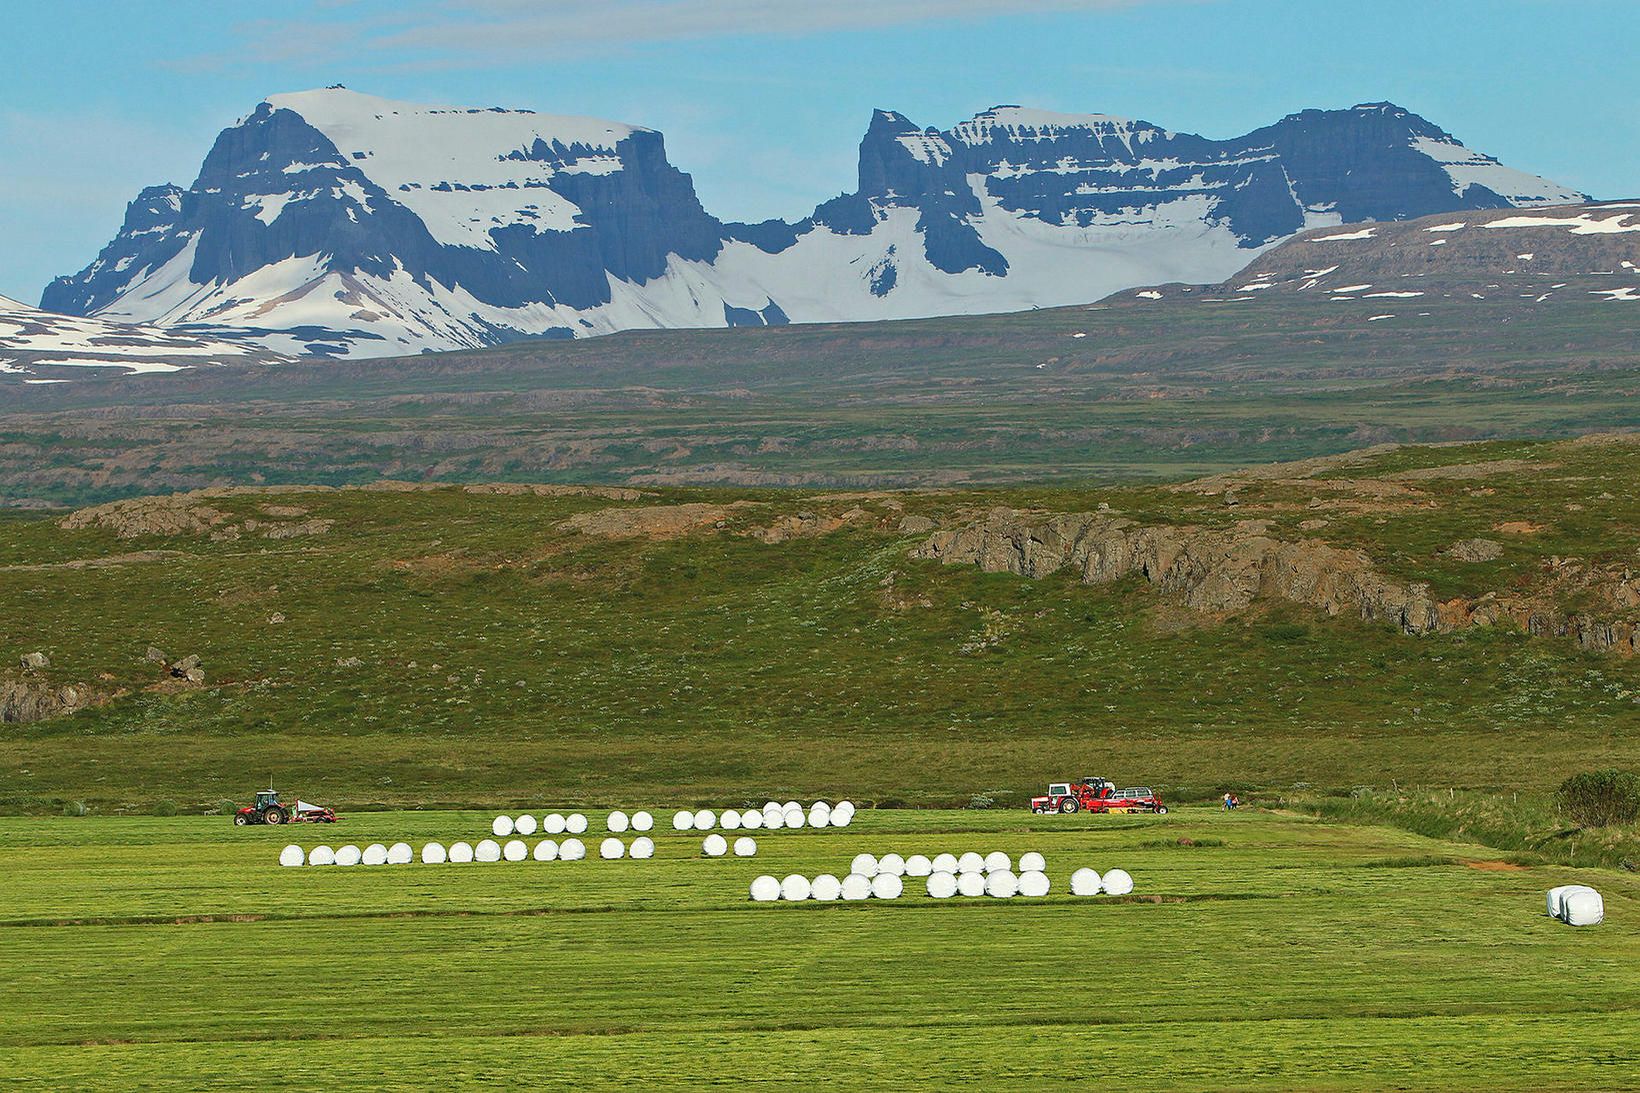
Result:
[
  {"x": 292, "y": 855},
  {"x": 942, "y": 885},
  {"x": 751, "y": 819},
  {"x": 1118, "y": 882},
  {"x": 891, "y": 863},
  {"x": 552, "y": 824},
  {"x": 1034, "y": 883},
  {"x": 826, "y": 888},
  {"x": 714, "y": 846},
  {"x": 765, "y": 889},
  {"x": 745, "y": 847},
  {"x": 773, "y": 821},
  {"x": 838, "y": 818},
  {"x": 1582, "y": 906},
  {"x": 730, "y": 820},
  {"x": 501, "y": 826},
  {"x": 971, "y": 884},
  {"x": 705, "y": 820},
  {"x": 487, "y": 851},
  {"x": 970, "y": 863},
  {"x": 998, "y": 862},
  {"x": 349, "y": 855},
  {"x": 887, "y": 886},
  {"x": 856, "y": 887},
  {"x": 789, "y": 805},
  {"x": 546, "y": 850},
  {"x": 515, "y": 850},
  {"x": 617, "y": 821},
  {"x": 461, "y": 853},
  {"x": 611, "y": 848},
  {"x": 434, "y": 854},
  {"x": 572, "y": 850},
  {"x": 642, "y": 847},
  {"x": 794, "y": 817},
  {"x": 525, "y": 825},
  {"x": 683, "y": 821},
  {"x": 643, "y": 821},
  {"x": 321, "y": 855},
  {"x": 795, "y": 888},
  {"x": 864, "y": 864},
  {"x": 1002, "y": 884},
  {"x": 1032, "y": 862},
  {"x": 575, "y": 823},
  {"x": 400, "y": 854},
  {"x": 1554, "y": 896},
  {"x": 918, "y": 866},
  {"x": 374, "y": 854},
  {"x": 1086, "y": 882},
  {"x": 772, "y": 806},
  {"x": 945, "y": 863},
  {"x": 819, "y": 814}
]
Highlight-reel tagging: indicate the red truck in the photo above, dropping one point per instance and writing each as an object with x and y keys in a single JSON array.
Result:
[{"x": 1097, "y": 795}]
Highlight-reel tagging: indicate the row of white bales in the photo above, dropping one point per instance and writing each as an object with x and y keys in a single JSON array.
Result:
[
  {"x": 486, "y": 850},
  {"x": 772, "y": 815},
  {"x": 948, "y": 875}
]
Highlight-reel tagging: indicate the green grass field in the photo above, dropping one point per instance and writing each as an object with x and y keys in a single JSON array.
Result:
[{"x": 1280, "y": 952}]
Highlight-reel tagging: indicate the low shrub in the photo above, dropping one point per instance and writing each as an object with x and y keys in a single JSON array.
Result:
[{"x": 1601, "y": 798}]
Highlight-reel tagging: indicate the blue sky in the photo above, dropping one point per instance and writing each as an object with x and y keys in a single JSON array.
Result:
[{"x": 764, "y": 101}]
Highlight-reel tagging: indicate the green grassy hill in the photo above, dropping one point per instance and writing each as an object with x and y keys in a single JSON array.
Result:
[{"x": 415, "y": 646}]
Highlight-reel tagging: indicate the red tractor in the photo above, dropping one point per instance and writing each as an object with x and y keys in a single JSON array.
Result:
[
  {"x": 1097, "y": 795},
  {"x": 268, "y": 810}
]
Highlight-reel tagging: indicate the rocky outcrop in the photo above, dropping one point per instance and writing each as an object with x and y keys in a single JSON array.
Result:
[{"x": 33, "y": 698}]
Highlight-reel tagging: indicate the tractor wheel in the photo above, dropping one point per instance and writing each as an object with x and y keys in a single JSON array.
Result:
[
  {"x": 274, "y": 816},
  {"x": 240, "y": 819},
  {"x": 1162, "y": 811},
  {"x": 1068, "y": 805}
]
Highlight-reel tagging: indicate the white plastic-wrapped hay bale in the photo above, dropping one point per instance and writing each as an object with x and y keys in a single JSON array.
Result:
[
  {"x": 374, "y": 854},
  {"x": 321, "y": 855},
  {"x": 1002, "y": 884},
  {"x": 487, "y": 850},
  {"x": 714, "y": 845},
  {"x": 643, "y": 821},
  {"x": 842, "y": 814},
  {"x": 525, "y": 825},
  {"x": 751, "y": 819},
  {"x": 515, "y": 850},
  {"x": 819, "y": 814},
  {"x": 1032, "y": 862},
  {"x": 434, "y": 854},
  {"x": 1034, "y": 883},
  {"x": 887, "y": 886},
  {"x": 1086, "y": 882},
  {"x": 864, "y": 864},
  {"x": 292, "y": 855},
  {"x": 971, "y": 863},
  {"x": 400, "y": 854},
  {"x": 942, "y": 885},
  {"x": 918, "y": 866},
  {"x": 572, "y": 850},
  {"x": 546, "y": 850},
  {"x": 891, "y": 863},
  {"x": 730, "y": 820},
  {"x": 945, "y": 863},
  {"x": 1117, "y": 882},
  {"x": 349, "y": 855},
  {"x": 617, "y": 822},
  {"x": 971, "y": 884},
  {"x": 611, "y": 848},
  {"x": 501, "y": 826},
  {"x": 789, "y": 805},
  {"x": 795, "y": 888},
  {"x": 642, "y": 847},
  {"x": 773, "y": 821},
  {"x": 745, "y": 847},
  {"x": 461, "y": 853},
  {"x": 998, "y": 862},
  {"x": 794, "y": 818},
  {"x": 705, "y": 820},
  {"x": 1552, "y": 900},
  {"x": 683, "y": 820},
  {"x": 856, "y": 887},
  {"x": 772, "y": 806},
  {"x": 826, "y": 888},
  {"x": 552, "y": 823},
  {"x": 765, "y": 889},
  {"x": 575, "y": 823},
  {"x": 1582, "y": 906}
]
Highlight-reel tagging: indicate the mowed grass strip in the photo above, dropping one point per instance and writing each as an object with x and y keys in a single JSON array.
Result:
[{"x": 1293, "y": 953}]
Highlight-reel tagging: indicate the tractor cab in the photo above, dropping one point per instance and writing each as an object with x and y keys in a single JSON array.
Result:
[{"x": 265, "y": 798}]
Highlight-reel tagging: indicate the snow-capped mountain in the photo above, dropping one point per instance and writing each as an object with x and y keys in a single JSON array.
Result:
[{"x": 361, "y": 226}]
